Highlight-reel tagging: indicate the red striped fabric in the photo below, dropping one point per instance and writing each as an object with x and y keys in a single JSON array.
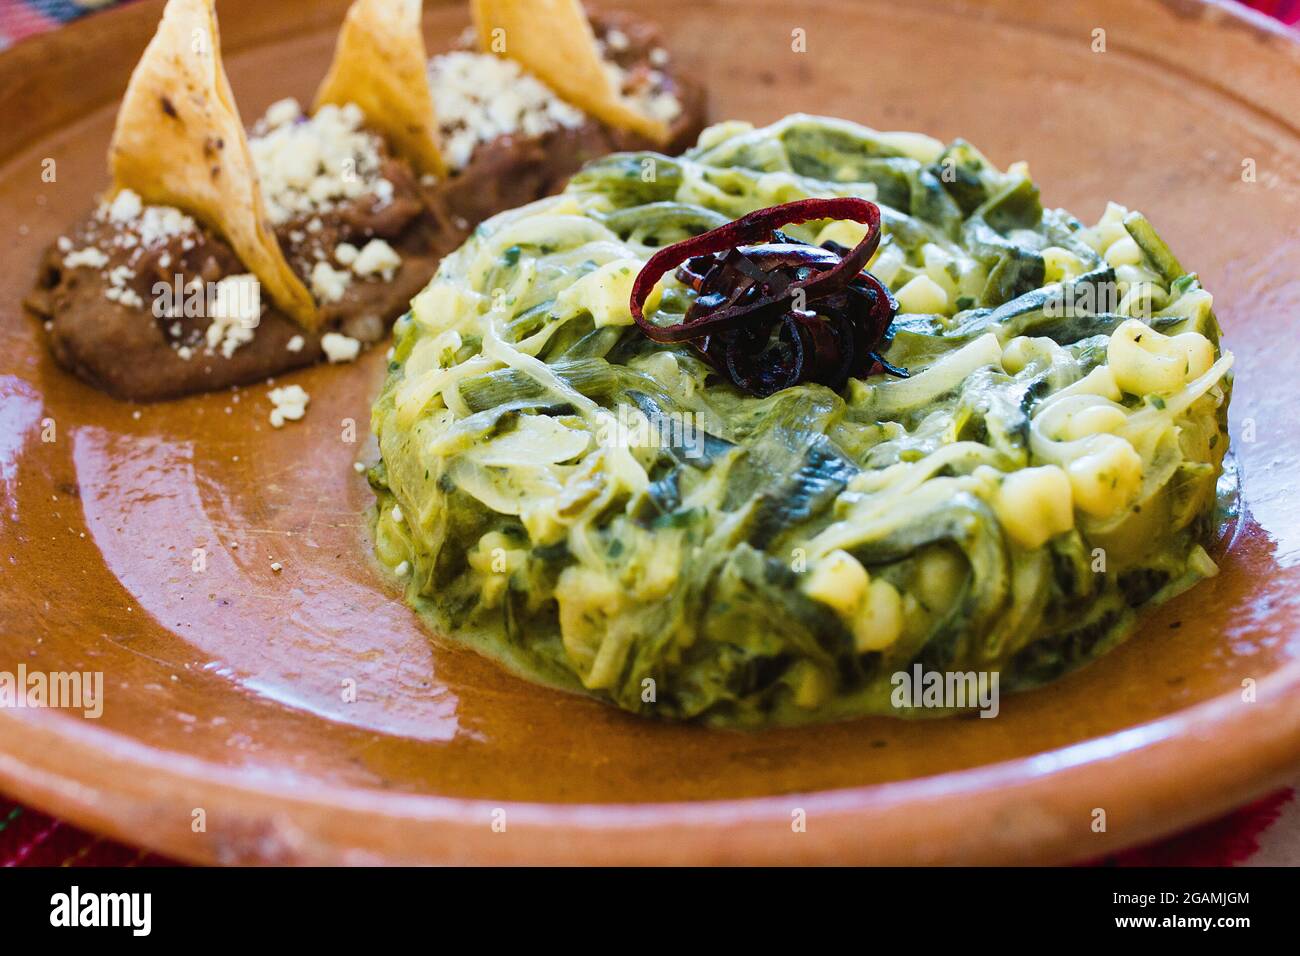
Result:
[{"x": 1288, "y": 11}]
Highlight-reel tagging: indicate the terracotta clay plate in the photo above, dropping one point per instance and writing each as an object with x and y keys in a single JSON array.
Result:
[{"x": 138, "y": 541}]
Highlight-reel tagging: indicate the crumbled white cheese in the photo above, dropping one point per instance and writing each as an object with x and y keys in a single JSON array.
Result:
[
  {"x": 376, "y": 258},
  {"x": 124, "y": 295},
  {"x": 289, "y": 403},
  {"x": 90, "y": 256},
  {"x": 149, "y": 225},
  {"x": 327, "y": 283},
  {"x": 135, "y": 225},
  {"x": 479, "y": 97},
  {"x": 119, "y": 291},
  {"x": 616, "y": 39},
  {"x": 345, "y": 253},
  {"x": 159, "y": 223},
  {"x": 340, "y": 348},
  {"x": 313, "y": 164},
  {"x": 646, "y": 91},
  {"x": 663, "y": 106},
  {"x": 282, "y": 112},
  {"x": 126, "y": 206},
  {"x": 295, "y": 344},
  {"x": 236, "y": 312}
]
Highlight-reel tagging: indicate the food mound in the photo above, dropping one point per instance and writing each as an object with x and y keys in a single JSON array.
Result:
[{"x": 693, "y": 490}]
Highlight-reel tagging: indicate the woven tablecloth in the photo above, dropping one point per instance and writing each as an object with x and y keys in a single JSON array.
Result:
[{"x": 1266, "y": 832}]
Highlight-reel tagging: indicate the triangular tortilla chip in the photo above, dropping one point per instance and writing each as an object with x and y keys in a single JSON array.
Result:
[
  {"x": 381, "y": 66},
  {"x": 553, "y": 40},
  {"x": 179, "y": 142}
]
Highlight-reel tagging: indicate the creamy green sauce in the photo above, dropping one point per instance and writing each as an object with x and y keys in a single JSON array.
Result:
[{"x": 601, "y": 513}]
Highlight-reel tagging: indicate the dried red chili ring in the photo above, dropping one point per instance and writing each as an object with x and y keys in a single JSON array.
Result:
[
  {"x": 756, "y": 227},
  {"x": 745, "y": 294}
]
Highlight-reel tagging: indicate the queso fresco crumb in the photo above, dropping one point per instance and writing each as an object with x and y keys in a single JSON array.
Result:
[{"x": 289, "y": 403}]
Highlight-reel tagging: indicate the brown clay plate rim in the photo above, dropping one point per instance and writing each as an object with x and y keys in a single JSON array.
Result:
[
  {"x": 1031, "y": 814},
  {"x": 1030, "y": 809}
]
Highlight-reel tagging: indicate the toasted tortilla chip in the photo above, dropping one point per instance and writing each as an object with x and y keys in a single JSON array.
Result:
[
  {"x": 553, "y": 40},
  {"x": 179, "y": 142},
  {"x": 380, "y": 65}
]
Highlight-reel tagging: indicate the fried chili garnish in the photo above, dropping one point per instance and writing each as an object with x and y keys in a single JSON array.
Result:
[{"x": 773, "y": 312}]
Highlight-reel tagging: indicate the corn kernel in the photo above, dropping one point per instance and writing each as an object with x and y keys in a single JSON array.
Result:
[
  {"x": 1105, "y": 478},
  {"x": 1035, "y": 504},
  {"x": 839, "y": 581},
  {"x": 922, "y": 295},
  {"x": 880, "y": 622}
]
